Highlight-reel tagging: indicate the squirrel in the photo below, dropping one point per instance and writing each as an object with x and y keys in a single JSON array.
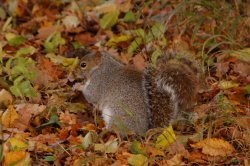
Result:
[{"x": 136, "y": 101}]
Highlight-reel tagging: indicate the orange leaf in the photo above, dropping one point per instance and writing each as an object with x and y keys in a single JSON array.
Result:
[
  {"x": 214, "y": 147},
  {"x": 11, "y": 158},
  {"x": 9, "y": 116}
]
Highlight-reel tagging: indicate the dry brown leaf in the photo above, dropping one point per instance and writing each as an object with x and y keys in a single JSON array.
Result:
[
  {"x": 243, "y": 122},
  {"x": 39, "y": 147},
  {"x": 45, "y": 138},
  {"x": 67, "y": 118},
  {"x": 26, "y": 112},
  {"x": 9, "y": 116},
  {"x": 46, "y": 31},
  {"x": 85, "y": 39},
  {"x": 176, "y": 160},
  {"x": 214, "y": 147},
  {"x": 139, "y": 62},
  {"x": 47, "y": 71},
  {"x": 152, "y": 151},
  {"x": 197, "y": 157},
  {"x": 177, "y": 148}
]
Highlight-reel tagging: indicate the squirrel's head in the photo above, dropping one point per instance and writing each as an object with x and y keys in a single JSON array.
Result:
[{"x": 88, "y": 63}]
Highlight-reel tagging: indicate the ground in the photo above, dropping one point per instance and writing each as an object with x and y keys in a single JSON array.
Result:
[{"x": 45, "y": 121}]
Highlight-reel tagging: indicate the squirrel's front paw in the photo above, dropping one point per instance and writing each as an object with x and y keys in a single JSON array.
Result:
[{"x": 77, "y": 87}]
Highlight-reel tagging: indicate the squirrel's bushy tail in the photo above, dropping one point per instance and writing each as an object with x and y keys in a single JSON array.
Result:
[{"x": 171, "y": 89}]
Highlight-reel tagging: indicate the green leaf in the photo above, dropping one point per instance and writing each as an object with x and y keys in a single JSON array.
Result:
[
  {"x": 57, "y": 59},
  {"x": 243, "y": 54},
  {"x": 76, "y": 45},
  {"x": 27, "y": 50},
  {"x": 136, "y": 148},
  {"x": 138, "y": 33},
  {"x": 129, "y": 17},
  {"x": 22, "y": 88},
  {"x": 247, "y": 89},
  {"x": 54, "y": 119},
  {"x": 16, "y": 41},
  {"x": 27, "y": 89},
  {"x": 138, "y": 160},
  {"x": 155, "y": 55},
  {"x": 109, "y": 19},
  {"x": 166, "y": 138},
  {"x": 22, "y": 67},
  {"x": 158, "y": 30},
  {"x": 117, "y": 39},
  {"x": 148, "y": 38},
  {"x": 53, "y": 41},
  {"x": 49, "y": 158},
  {"x": 227, "y": 85},
  {"x": 134, "y": 45}
]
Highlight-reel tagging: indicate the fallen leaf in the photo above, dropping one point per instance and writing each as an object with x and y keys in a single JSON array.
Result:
[
  {"x": 26, "y": 112},
  {"x": 136, "y": 148},
  {"x": 71, "y": 21},
  {"x": 214, "y": 147},
  {"x": 86, "y": 39},
  {"x": 5, "y": 97},
  {"x": 45, "y": 31},
  {"x": 113, "y": 41},
  {"x": 9, "y": 116},
  {"x": 67, "y": 118},
  {"x": 17, "y": 144},
  {"x": 153, "y": 152},
  {"x": 87, "y": 140},
  {"x": 13, "y": 158},
  {"x": 227, "y": 85},
  {"x": 176, "y": 160},
  {"x": 109, "y": 19},
  {"x": 243, "y": 54},
  {"x": 165, "y": 138},
  {"x": 138, "y": 160},
  {"x": 109, "y": 147}
]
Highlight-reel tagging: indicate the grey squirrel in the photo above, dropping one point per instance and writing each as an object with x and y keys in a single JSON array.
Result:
[{"x": 133, "y": 100}]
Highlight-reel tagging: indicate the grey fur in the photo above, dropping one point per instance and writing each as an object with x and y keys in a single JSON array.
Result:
[
  {"x": 119, "y": 91},
  {"x": 138, "y": 100}
]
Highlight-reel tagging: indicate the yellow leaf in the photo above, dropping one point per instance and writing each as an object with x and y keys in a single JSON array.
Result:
[
  {"x": 214, "y": 147},
  {"x": 227, "y": 85},
  {"x": 166, "y": 138},
  {"x": 138, "y": 160},
  {"x": 9, "y": 116},
  {"x": 17, "y": 144},
  {"x": 117, "y": 39}
]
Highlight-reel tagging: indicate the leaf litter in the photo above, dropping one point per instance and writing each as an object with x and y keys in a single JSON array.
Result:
[{"x": 45, "y": 121}]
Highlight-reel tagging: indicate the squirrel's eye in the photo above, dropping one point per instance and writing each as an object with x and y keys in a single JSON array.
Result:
[{"x": 83, "y": 65}]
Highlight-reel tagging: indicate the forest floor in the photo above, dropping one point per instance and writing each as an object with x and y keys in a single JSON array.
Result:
[{"x": 45, "y": 122}]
